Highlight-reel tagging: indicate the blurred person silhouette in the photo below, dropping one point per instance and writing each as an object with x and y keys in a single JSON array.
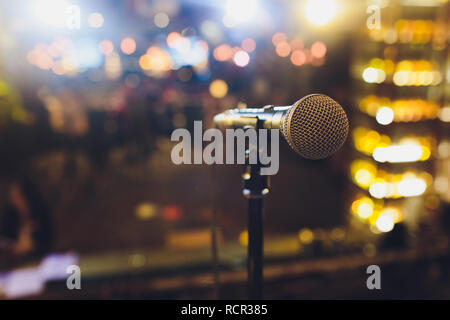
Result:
[{"x": 25, "y": 226}]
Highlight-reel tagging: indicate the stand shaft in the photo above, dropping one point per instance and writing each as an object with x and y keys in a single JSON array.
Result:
[
  {"x": 255, "y": 248},
  {"x": 256, "y": 186}
]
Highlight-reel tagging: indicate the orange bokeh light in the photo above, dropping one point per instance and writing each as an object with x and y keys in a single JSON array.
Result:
[
  {"x": 128, "y": 45},
  {"x": 318, "y": 49},
  {"x": 278, "y": 38},
  {"x": 283, "y": 49},
  {"x": 172, "y": 38},
  {"x": 248, "y": 45},
  {"x": 106, "y": 47},
  {"x": 145, "y": 62},
  {"x": 223, "y": 52},
  {"x": 296, "y": 44},
  {"x": 298, "y": 57}
]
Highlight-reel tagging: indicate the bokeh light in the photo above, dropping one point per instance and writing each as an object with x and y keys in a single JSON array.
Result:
[
  {"x": 385, "y": 116},
  {"x": 298, "y": 58},
  {"x": 320, "y": 12},
  {"x": 318, "y": 49},
  {"x": 171, "y": 39},
  {"x": 128, "y": 45},
  {"x": 106, "y": 47},
  {"x": 161, "y": 20},
  {"x": 218, "y": 88},
  {"x": 95, "y": 20},
  {"x": 385, "y": 223},
  {"x": 248, "y": 45},
  {"x": 51, "y": 12},
  {"x": 278, "y": 38},
  {"x": 241, "y": 58},
  {"x": 238, "y": 11},
  {"x": 283, "y": 49},
  {"x": 223, "y": 52}
]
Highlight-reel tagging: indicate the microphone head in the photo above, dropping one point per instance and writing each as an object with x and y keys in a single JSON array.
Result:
[{"x": 316, "y": 126}]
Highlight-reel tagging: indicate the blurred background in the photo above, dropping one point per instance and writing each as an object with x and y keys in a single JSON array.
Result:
[{"x": 90, "y": 92}]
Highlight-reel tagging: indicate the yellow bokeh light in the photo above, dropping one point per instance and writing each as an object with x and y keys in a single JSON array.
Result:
[
  {"x": 363, "y": 177},
  {"x": 113, "y": 66},
  {"x": 404, "y": 110},
  {"x": 362, "y": 172},
  {"x": 157, "y": 61},
  {"x": 145, "y": 62},
  {"x": 416, "y": 73},
  {"x": 218, "y": 88},
  {"x": 146, "y": 211},
  {"x": 95, "y": 20},
  {"x": 367, "y": 141},
  {"x": 363, "y": 207},
  {"x": 306, "y": 236},
  {"x": 365, "y": 210},
  {"x": 243, "y": 238},
  {"x": 4, "y": 88}
]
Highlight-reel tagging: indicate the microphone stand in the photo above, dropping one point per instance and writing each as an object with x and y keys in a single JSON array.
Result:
[{"x": 255, "y": 187}]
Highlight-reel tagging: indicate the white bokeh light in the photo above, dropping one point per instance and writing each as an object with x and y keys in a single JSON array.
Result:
[
  {"x": 51, "y": 12},
  {"x": 385, "y": 116},
  {"x": 385, "y": 223},
  {"x": 239, "y": 11},
  {"x": 241, "y": 58},
  {"x": 320, "y": 12}
]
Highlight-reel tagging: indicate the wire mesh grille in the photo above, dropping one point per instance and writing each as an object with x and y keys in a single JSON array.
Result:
[{"x": 315, "y": 127}]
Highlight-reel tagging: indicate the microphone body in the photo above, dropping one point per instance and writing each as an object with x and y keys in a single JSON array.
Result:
[
  {"x": 270, "y": 116},
  {"x": 315, "y": 126}
]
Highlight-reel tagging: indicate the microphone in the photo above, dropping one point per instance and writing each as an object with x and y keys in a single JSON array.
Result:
[{"x": 316, "y": 126}]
